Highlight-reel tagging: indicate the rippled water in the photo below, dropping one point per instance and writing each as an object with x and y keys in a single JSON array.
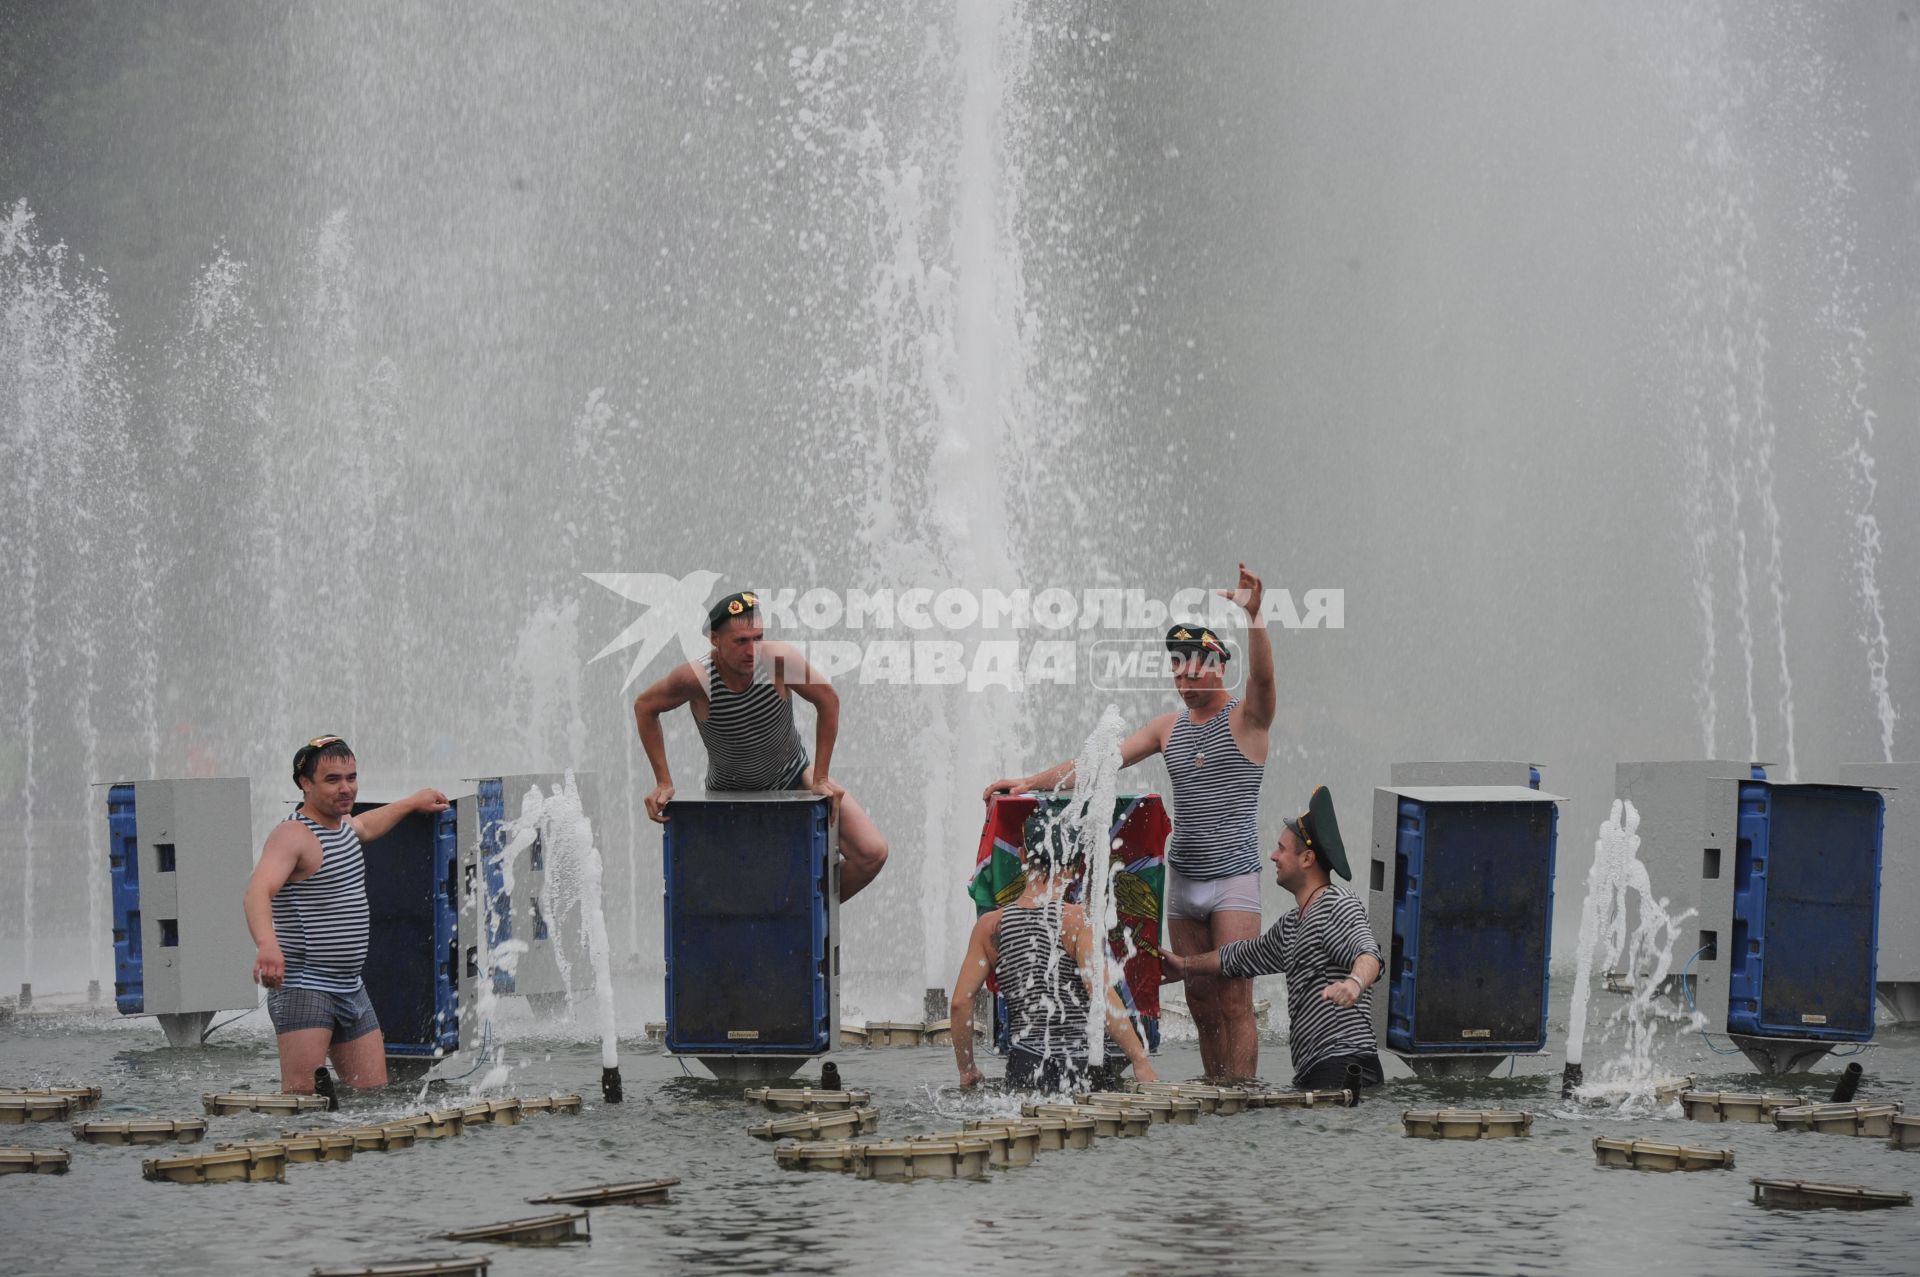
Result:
[{"x": 1313, "y": 1191}]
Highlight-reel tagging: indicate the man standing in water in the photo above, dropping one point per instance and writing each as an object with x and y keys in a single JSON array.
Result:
[
  {"x": 307, "y": 910},
  {"x": 741, "y": 694},
  {"x": 1040, "y": 951},
  {"x": 1327, "y": 951},
  {"x": 1216, "y": 753}
]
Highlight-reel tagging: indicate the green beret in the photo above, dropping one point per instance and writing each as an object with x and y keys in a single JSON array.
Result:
[{"x": 740, "y": 603}]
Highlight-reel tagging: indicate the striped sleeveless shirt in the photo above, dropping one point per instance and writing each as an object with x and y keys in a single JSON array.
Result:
[
  {"x": 750, "y": 737},
  {"x": 1046, "y": 998},
  {"x": 321, "y": 921},
  {"x": 1216, "y": 799}
]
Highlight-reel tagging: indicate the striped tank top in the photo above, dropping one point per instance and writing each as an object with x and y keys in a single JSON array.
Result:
[
  {"x": 1312, "y": 951},
  {"x": 321, "y": 921},
  {"x": 750, "y": 737},
  {"x": 1046, "y": 998},
  {"x": 1216, "y": 799}
]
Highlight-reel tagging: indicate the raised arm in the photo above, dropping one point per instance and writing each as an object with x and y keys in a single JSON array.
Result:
[
  {"x": 378, "y": 823},
  {"x": 1256, "y": 707},
  {"x": 1143, "y": 742},
  {"x": 287, "y": 846},
  {"x": 680, "y": 685},
  {"x": 1079, "y": 938},
  {"x": 979, "y": 961}
]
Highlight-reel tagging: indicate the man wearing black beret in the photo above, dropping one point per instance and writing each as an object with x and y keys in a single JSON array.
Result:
[
  {"x": 1216, "y": 753},
  {"x": 741, "y": 694}
]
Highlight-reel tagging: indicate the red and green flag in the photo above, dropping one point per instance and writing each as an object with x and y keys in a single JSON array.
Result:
[{"x": 1139, "y": 833}]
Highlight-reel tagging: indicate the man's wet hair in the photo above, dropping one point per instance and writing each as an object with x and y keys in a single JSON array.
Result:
[{"x": 1051, "y": 842}]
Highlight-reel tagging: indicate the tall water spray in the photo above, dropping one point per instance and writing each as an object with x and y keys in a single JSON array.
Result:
[
  {"x": 1842, "y": 324},
  {"x": 64, "y": 444},
  {"x": 937, "y": 401},
  {"x": 1096, "y": 785},
  {"x": 1719, "y": 327},
  {"x": 573, "y": 896},
  {"x": 1618, "y": 885}
]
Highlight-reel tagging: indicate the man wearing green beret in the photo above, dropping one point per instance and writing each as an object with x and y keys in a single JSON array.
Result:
[
  {"x": 1216, "y": 754},
  {"x": 741, "y": 694},
  {"x": 1325, "y": 948}
]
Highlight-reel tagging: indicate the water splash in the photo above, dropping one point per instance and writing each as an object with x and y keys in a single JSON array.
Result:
[
  {"x": 573, "y": 886},
  {"x": 1618, "y": 884},
  {"x": 1096, "y": 785},
  {"x": 497, "y": 963}
]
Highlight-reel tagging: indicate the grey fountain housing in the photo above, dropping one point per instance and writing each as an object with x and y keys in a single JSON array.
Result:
[
  {"x": 178, "y": 853},
  {"x": 1460, "y": 895},
  {"x": 1784, "y": 882}
]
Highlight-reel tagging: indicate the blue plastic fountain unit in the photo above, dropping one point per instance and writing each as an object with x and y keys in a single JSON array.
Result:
[
  {"x": 1472, "y": 926},
  {"x": 413, "y": 971},
  {"x": 749, "y": 949},
  {"x": 1806, "y": 907},
  {"x": 123, "y": 852}
]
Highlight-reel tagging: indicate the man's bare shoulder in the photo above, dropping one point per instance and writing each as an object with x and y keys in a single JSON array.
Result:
[
  {"x": 292, "y": 834},
  {"x": 679, "y": 684},
  {"x": 290, "y": 845}
]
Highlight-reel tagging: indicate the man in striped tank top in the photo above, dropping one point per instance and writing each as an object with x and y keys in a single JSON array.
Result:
[
  {"x": 741, "y": 695},
  {"x": 307, "y": 910},
  {"x": 1326, "y": 949},
  {"x": 1040, "y": 951},
  {"x": 1216, "y": 752}
]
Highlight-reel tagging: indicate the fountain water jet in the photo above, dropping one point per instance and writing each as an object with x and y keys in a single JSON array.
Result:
[
  {"x": 1096, "y": 772},
  {"x": 1617, "y": 879}
]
